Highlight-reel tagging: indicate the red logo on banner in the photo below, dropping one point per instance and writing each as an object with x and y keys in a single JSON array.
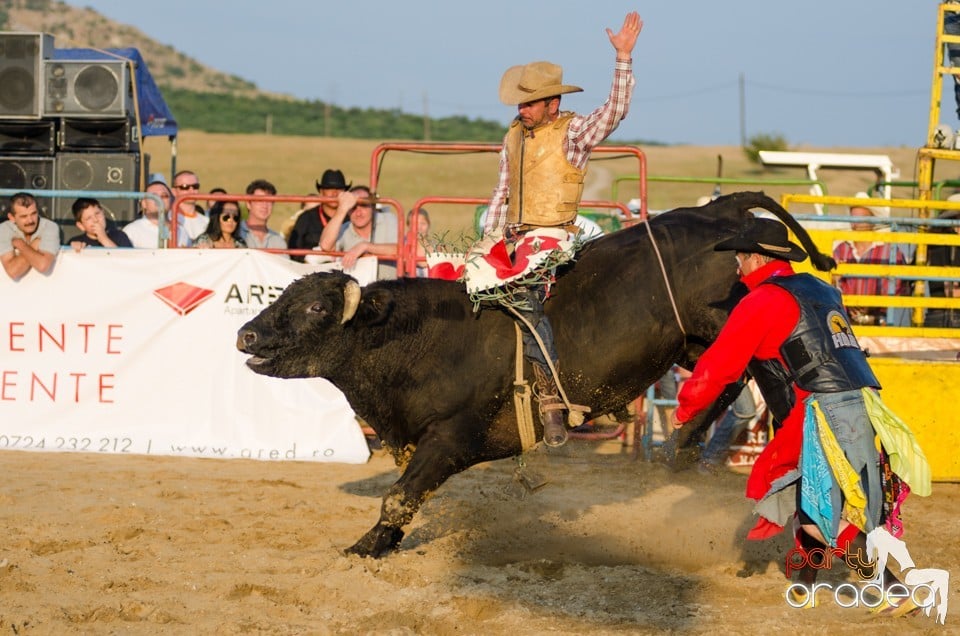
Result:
[{"x": 183, "y": 297}]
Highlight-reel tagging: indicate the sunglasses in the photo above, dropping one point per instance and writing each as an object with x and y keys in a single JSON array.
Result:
[
  {"x": 188, "y": 186},
  {"x": 229, "y": 217}
]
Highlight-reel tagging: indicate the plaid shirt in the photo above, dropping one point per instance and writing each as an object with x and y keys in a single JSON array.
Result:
[
  {"x": 583, "y": 135},
  {"x": 878, "y": 253}
]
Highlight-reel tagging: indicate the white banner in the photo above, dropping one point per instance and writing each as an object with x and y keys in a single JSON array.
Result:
[{"x": 133, "y": 351}]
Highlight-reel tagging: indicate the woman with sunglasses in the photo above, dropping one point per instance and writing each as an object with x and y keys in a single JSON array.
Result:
[{"x": 223, "y": 229}]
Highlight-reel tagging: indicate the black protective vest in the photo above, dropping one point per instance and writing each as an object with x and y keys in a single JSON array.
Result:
[{"x": 821, "y": 353}]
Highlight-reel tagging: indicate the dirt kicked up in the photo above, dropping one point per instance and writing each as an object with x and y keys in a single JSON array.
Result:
[{"x": 147, "y": 545}]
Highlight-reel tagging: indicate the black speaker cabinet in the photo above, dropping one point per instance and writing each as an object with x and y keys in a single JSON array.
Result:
[
  {"x": 113, "y": 172},
  {"x": 29, "y": 173},
  {"x": 98, "y": 135},
  {"x": 79, "y": 88},
  {"x": 21, "y": 59},
  {"x": 27, "y": 137}
]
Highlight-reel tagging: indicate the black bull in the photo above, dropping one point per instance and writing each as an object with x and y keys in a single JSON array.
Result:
[{"x": 435, "y": 380}]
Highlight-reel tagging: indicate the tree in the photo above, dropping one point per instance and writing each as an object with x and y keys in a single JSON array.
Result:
[{"x": 764, "y": 141}]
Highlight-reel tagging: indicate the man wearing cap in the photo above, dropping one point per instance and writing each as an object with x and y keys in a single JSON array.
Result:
[
  {"x": 309, "y": 225},
  {"x": 793, "y": 335},
  {"x": 874, "y": 253},
  {"x": 541, "y": 174}
]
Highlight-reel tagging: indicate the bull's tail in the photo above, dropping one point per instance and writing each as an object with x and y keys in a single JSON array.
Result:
[{"x": 822, "y": 262}]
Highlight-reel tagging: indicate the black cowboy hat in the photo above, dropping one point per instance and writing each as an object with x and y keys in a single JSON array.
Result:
[
  {"x": 763, "y": 236},
  {"x": 333, "y": 179}
]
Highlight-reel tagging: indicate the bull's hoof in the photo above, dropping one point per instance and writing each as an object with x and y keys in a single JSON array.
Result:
[{"x": 376, "y": 543}]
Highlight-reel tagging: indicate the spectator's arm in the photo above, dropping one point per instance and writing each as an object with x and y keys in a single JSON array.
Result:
[
  {"x": 374, "y": 249},
  {"x": 331, "y": 232},
  {"x": 14, "y": 264},
  {"x": 34, "y": 257}
]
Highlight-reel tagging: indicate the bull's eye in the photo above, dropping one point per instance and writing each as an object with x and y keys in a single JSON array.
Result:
[{"x": 315, "y": 308}]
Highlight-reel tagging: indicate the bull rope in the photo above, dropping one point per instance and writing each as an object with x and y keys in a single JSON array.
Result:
[
  {"x": 666, "y": 279},
  {"x": 576, "y": 417},
  {"x": 521, "y": 399}
]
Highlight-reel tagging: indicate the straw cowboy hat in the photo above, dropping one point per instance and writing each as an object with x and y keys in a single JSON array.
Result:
[
  {"x": 763, "y": 236},
  {"x": 533, "y": 81}
]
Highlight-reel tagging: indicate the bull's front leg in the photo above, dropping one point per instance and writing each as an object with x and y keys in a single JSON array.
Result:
[{"x": 434, "y": 461}]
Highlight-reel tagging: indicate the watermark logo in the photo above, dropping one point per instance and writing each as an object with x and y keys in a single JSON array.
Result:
[{"x": 922, "y": 589}]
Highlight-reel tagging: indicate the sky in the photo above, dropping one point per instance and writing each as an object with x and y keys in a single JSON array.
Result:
[{"x": 825, "y": 73}]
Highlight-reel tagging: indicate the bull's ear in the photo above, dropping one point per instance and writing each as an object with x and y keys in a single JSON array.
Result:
[{"x": 375, "y": 306}]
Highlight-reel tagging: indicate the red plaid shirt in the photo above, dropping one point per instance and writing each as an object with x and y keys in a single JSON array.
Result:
[
  {"x": 876, "y": 254},
  {"x": 583, "y": 135}
]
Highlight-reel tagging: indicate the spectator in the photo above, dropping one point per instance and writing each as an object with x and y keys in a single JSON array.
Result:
[
  {"x": 422, "y": 225},
  {"x": 96, "y": 230},
  {"x": 366, "y": 232},
  {"x": 254, "y": 231},
  {"x": 874, "y": 253},
  {"x": 945, "y": 256},
  {"x": 224, "y": 228},
  {"x": 27, "y": 240},
  {"x": 309, "y": 225},
  {"x": 146, "y": 232},
  {"x": 189, "y": 213},
  {"x": 211, "y": 202},
  {"x": 421, "y": 228}
]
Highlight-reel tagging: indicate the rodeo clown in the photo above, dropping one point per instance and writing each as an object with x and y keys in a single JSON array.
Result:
[
  {"x": 822, "y": 470},
  {"x": 531, "y": 215}
]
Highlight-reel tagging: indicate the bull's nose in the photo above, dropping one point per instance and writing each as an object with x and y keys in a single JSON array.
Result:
[{"x": 246, "y": 339}]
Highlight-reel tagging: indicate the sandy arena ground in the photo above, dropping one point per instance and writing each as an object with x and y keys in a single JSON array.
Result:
[{"x": 146, "y": 545}]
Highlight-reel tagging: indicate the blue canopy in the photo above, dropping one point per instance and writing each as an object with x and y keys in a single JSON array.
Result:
[{"x": 155, "y": 117}]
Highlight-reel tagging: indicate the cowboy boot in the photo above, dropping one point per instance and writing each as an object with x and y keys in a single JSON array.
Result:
[{"x": 551, "y": 407}]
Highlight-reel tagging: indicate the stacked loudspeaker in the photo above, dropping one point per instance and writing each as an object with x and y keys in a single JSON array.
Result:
[{"x": 66, "y": 124}]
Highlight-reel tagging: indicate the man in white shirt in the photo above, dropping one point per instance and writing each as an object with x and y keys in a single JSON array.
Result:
[
  {"x": 189, "y": 214},
  {"x": 145, "y": 231}
]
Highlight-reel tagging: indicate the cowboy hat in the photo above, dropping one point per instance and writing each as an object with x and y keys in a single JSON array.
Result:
[
  {"x": 333, "y": 180},
  {"x": 875, "y": 210},
  {"x": 763, "y": 236},
  {"x": 533, "y": 81}
]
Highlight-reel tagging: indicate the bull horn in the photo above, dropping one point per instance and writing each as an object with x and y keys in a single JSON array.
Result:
[{"x": 351, "y": 299}]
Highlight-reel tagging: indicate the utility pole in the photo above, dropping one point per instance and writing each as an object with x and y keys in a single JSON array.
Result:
[
  {"x": 426, "y": 118},
  {"x": 743, "y": 113},
  {"x": 269, "y": 124}
]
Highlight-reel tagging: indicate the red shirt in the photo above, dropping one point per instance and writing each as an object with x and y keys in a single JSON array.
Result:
[{"x": 757, "y": 327}]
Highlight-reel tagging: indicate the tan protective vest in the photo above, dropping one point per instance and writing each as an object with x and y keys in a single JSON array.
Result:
[{"x": 544, "y": 188}]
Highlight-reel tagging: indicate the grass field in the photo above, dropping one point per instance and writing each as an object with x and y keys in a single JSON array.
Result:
[{"x": 294, "y": 163}]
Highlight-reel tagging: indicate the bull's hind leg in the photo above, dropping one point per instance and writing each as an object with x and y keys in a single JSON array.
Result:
[{"x": 432, "y": 463}]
